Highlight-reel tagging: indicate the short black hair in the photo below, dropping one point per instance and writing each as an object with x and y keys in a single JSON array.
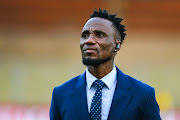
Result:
[{"x": 111, "y": 17}]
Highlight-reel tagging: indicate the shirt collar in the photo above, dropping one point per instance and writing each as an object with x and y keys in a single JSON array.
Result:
[{"x": 109, "y": 79}]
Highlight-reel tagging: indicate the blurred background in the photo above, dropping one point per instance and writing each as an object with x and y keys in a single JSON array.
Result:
[{"x": 39, "y": 49}]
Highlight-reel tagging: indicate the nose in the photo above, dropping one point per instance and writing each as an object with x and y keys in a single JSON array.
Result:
[{"x": 90, "y": 40}]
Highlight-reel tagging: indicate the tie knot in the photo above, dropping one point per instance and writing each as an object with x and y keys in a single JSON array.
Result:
[{"x": 98, "y": 84}]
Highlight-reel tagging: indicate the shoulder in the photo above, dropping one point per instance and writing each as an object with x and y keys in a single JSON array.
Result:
[
  {"x": 129, "y": 83},
  {"x": 141, "y": 91},
  {"x": 67, "y": 87},
  {"x": 137, "y": 84},
  {"x": 143, "y": 99}
]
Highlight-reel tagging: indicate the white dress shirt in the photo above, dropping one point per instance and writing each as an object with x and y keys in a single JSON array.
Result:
[{"x": 107, "y": 92}]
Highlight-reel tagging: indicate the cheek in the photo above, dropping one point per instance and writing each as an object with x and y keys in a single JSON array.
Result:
[
  {"x": 81, "y": 44},
  {"x": 107, "y": 49},
  {"x": 107, "y": 46}
]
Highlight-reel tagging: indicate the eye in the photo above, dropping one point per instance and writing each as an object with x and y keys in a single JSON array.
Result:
[
  {"x": 84, "y": 35},
  {"x": 100, "y": 34}
]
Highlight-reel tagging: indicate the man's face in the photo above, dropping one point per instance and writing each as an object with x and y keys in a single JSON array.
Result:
[{"x": 97, "y": 41}]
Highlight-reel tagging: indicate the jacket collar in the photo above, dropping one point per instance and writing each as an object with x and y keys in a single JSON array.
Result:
[
  {"x": 121, "y": 98},
  {"x": 122, "y": 80}
]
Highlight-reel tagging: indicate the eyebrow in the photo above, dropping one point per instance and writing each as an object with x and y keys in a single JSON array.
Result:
[
  {"x": 95, "y": 31},
  {"x": 85, "y": 31}
]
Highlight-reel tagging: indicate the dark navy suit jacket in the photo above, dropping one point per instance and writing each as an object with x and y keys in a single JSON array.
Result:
[{"x": 132, "y": 100}]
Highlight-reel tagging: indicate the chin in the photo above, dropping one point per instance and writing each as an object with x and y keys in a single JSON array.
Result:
[{"x": 94, "y": 62}]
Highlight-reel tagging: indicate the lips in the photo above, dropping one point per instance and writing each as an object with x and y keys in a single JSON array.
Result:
[{"x": 89, "y": 50}]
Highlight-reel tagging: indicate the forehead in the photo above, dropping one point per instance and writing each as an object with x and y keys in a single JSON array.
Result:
[{"x": 98, "y": 23}]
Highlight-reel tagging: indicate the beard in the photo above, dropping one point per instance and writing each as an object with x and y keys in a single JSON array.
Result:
[
  {"x": 95, "y": 62},
  {"x": 98, "y": 61}
]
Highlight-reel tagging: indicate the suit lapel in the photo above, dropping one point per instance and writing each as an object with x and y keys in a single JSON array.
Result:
[
  {"x": 120, "y": 101},
  {"x": 121, "y": 97},
  {"x": 79, "y": 99}
]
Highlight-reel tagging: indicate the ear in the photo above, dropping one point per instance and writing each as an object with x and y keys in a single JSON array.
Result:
[{"x": 118, "y": 44}]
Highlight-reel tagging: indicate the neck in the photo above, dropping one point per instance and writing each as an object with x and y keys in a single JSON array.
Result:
[{"x": 101, "y": 70}]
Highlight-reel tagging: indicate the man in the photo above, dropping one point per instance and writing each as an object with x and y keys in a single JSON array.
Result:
[{"x": 103, "y": 92}]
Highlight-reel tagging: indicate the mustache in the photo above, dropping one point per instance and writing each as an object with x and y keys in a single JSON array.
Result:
[{"x": 89, "y": 48}]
